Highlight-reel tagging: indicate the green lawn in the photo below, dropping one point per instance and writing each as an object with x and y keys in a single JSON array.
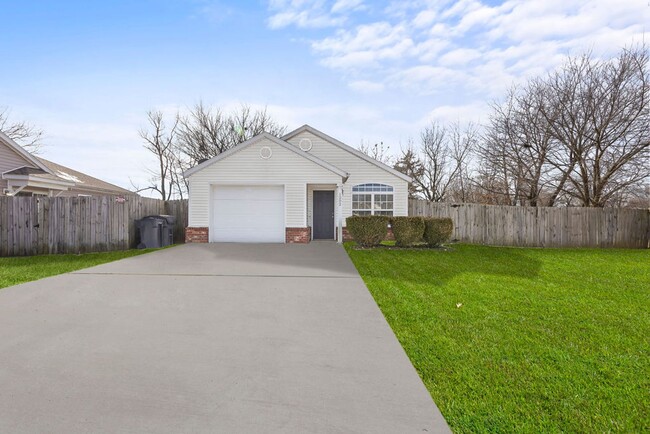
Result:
[
  {"x": 546, "y": 340},
  {"x": 26, "y": 268}
]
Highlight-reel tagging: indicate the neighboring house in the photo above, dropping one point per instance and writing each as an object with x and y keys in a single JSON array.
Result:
[
  {"x": 24, "y": 174},
  {"x": 294, "y": 189}
]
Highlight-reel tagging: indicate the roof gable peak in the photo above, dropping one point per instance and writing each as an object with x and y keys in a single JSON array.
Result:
[
  {"x": 28, "y": 157},
  {"x": 348, "y": 148},
  {"x": 255, "y": 139}
]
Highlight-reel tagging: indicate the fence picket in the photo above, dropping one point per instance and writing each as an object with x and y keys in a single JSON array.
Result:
[
  {"x": 542, "y": 226},
  {"x": 45, "y": 225}
]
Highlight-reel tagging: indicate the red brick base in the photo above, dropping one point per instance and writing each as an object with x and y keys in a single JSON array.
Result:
[
  {"x": 196, "y": 235},
  {"x": 292, "y": 235},
  {"x": 298, "y": 235},
  {"x": 348, "y": 237}
]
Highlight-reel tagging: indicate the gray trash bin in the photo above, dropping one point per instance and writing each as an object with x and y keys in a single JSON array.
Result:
[{"x": 156, "y": 231}]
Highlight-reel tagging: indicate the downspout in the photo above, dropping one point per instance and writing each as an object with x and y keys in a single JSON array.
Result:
[{"x": 339, "y": 213}]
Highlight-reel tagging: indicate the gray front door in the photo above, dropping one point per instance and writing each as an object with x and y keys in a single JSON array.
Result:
[{"x": 323, "y": 215}]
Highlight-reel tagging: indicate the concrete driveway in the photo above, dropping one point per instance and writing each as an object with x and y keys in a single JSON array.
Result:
[{"x": 222, "y": 338}]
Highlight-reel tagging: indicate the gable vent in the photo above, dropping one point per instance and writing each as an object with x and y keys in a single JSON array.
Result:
[
  {"x": 305, "y": 144},
  {"x": 266, "y": 152}
]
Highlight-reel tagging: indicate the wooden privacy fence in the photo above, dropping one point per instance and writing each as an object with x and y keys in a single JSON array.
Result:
[
  {"x": 178, "y": 208},
  {"x": 542, "y": 226},
  {"x": 42, "y": 225}
]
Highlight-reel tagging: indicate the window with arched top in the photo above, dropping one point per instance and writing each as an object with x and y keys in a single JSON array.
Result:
[{"x": 372, "y": 199}]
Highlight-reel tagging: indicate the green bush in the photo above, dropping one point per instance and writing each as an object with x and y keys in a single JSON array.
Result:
[
  {"x": 407, "y": 230},
  {"x": 437, "y": 231},
  {"x": 367, "y": 231}
]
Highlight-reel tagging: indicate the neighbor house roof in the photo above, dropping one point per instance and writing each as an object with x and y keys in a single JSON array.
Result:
[
  {"x": 21, "y": 151},
  {"x": 25, "y": 170},
  {"x": 47, "y": 171},
  {"x": 345, "y": 147},
  {"x": 275, "y": 140},
  {"x": 36, "y": 177},
  {"x": 81, "y": 180}
]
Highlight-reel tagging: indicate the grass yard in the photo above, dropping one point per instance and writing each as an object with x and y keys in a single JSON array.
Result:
[
  {"x": 23, "y": 269},
  {"x": 522, "y": 340}
]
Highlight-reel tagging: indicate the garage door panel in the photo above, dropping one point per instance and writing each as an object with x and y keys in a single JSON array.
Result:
[
  {"x": 261, "y": 192},
  {"x": 247, "y": 214}
]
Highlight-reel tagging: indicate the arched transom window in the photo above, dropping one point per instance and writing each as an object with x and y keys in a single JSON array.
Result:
[{"x": 372, "y": 199}]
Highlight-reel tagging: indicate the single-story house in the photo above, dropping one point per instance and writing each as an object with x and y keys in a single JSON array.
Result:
[
  {"x": 293, "y": 189},
  {"x": 24, "y": 174}
]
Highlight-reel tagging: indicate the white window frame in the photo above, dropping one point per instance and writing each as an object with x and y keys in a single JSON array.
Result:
[{"x": 373, "y": 189}]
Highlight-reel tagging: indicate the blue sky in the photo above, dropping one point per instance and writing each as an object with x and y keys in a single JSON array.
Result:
[{"x": 86, "y": 72}]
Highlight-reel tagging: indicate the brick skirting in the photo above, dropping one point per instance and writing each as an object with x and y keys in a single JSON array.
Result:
[
  {"x": 196, "y": 235},
  {"x": 298, "y": 235},
  {"x": 292, "y": 235}
]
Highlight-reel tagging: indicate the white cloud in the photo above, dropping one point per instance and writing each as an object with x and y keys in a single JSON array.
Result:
[
  {"x": 428, "y": 50},
  {"x": 345, "y": 5},
  {"x": 427, "y": 80},
  {"x": 425, "y": 18},
  {"x": 303, "y": 19},
  {"x": 311, "y": 13},
  {"x": 365, "y": 47},
  {"x": 444, "y": 114},
  {"x": 365, "y": 86},
  {"x": 459, "y": 57},
  {"x": 419, "y": 45}
]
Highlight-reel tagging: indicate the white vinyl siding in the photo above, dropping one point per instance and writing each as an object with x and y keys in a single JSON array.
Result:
[
  {"x": 361, "y": 172},
  {"x": 246, "y": 167}
]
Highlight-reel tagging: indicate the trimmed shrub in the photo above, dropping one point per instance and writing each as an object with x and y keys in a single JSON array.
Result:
[
  {"x": 437, "y": 231},
  {"x": 367, "y": 231},
  {"x": 407, "y": 230}
]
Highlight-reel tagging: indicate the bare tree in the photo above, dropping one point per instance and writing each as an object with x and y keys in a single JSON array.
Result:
[
  {"x": 160, "y": 140},
  {"x": 515, "y": 149},
  {"x": 26, "y": 135},
  {"x": 207, "y": 132},
  {"x": 576, "y": 137},
  {"x": 378, "y": 151},
  {"x": 440, "y": 163},
  {"x": 599, "y": 112},
  {"x": 409, "y": 163},
  {"x": 203, "y": 133},
  {"x": 463, "y": 142}
]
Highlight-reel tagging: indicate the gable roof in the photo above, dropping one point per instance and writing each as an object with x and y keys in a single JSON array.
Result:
[
  {"x": 21, "y": 151},
  {"x": 51, "y": 171},
  {"x": 345, "y": 147},
  {"x": 81, "y": 180},
  {"x": 249, "y": 142}
]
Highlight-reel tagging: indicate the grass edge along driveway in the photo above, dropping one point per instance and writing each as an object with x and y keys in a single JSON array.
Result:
[
  {"x": 522, "y": 340},
  {"x": 20, "y": 269}
]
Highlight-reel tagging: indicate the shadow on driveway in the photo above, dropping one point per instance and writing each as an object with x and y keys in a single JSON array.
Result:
[{"x": 317, "y": 259}]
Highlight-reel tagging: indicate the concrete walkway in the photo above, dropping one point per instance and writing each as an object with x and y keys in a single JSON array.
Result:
[{"x": 215, "y": 338}]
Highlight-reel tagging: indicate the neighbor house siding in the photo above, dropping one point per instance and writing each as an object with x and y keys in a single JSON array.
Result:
[
  {"x": 246, "y": 167},
  {"x": 360, "y": 171},
  {"x": 9, "y": 160}
]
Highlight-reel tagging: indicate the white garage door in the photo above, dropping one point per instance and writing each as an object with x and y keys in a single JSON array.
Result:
[{"x": 248, "y": 214}]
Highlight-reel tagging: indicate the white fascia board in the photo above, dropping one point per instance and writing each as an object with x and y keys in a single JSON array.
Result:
[
  {"x": 275, "y": 140},
  {"x": 348, "y": 148},
  {"x": 35, "y": 181},
  {"x": 22, "y": 152}
]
